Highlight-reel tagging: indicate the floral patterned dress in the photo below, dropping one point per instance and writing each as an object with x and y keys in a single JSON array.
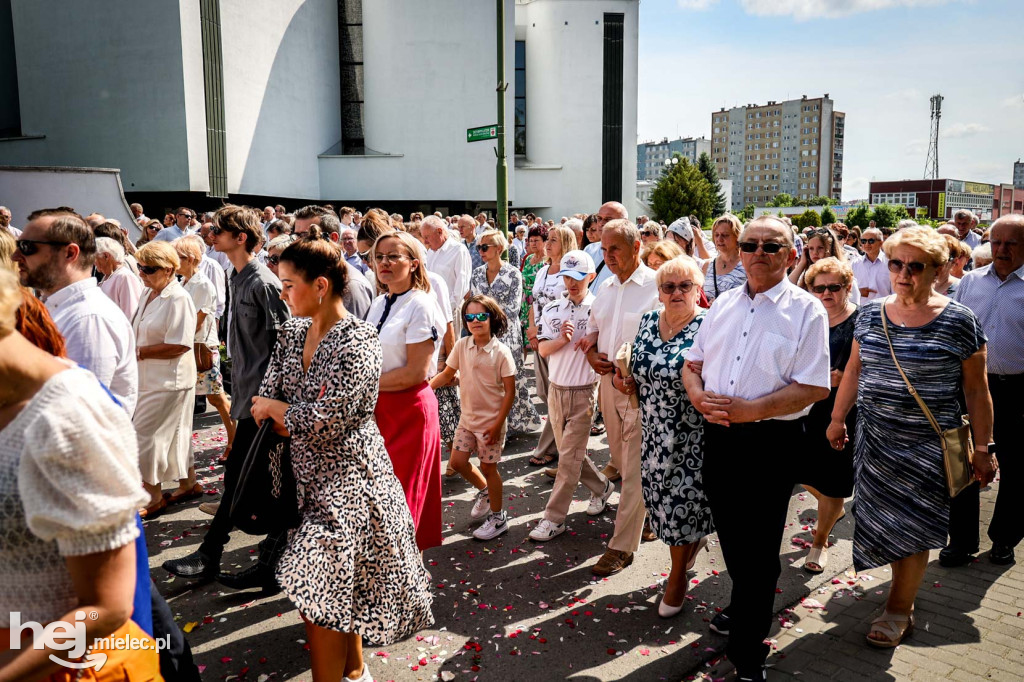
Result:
[
  {"x": 672, "y": 449},
  {"x": 529, "y": 277},
  {"x": 352, "y": 565},
  {"x": 507, "y": 290}
]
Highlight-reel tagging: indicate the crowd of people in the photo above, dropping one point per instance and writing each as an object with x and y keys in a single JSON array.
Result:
[{"x": 724, "y": 369}]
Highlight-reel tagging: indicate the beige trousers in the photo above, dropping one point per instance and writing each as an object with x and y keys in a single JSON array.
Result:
[
  {"x": 570, "y": 413},
  {"x": 546, "y": 442},
  {"x": 623, "y": 423}
]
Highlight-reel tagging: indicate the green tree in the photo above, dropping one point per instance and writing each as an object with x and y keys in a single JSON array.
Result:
[
  {"x": 859, "y": 216},
  {"x": 827, "y": 216},
  {"x": 820, "y": 200},
  {"x": 781, "y": 200},
  {"x": 809, "y": 218},
  {"x": 682, "y": 190},
  {"x": 710, "y": 173},
  {"x": 885, "y": 216},
  {"x": 747, "y": 214},
  {"x": 902, "y": 213}
]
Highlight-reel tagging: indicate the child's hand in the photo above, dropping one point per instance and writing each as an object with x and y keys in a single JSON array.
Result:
[
  {"x": 568, "y": 329},
  {"x": 493, "y": 434}
]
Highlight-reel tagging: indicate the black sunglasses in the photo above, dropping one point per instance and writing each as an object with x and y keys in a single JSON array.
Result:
[
  {"x": 771, "y": 248},
  {"x": 869, "y": 240},
  {"x": 30, "y": 246},
  {"x": 648, "y": 233},
  {"x": 274, "y": 260},
  {"x": 820, "y": 288},
  {"x": 482, "y": 248},
  {"x": 217, "y": 229},
  {"x": 478, "y": 317},
  {"x": 149, "y": 269},
  {"x": 914, "y": 267},
  {"x": 669, "y": 288},
  {"x": 364, "y": 256}
]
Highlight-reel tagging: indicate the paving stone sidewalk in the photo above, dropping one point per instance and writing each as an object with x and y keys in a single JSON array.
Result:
[{"x": 970, "y": 626}]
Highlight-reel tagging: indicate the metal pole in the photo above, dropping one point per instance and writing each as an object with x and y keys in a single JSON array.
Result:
[{"x": 501, "y": 214}]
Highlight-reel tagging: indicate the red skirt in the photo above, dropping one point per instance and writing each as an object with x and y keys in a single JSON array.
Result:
[{"x": 409, "y": 423}]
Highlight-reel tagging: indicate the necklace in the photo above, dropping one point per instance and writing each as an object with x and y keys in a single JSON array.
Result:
[{"x": 674, "y": 329}]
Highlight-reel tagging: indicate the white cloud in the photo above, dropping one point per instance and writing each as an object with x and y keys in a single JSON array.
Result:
[
  {"x": 916, "y": 147},
  {"x": 1015, "y": 101},
  {"x": 802, "y": 10},
  {"x": 958, "y": 130},
  {"x": 698, "y": 5}
]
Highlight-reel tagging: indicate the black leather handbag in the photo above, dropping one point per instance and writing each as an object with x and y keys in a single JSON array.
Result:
[{"x": 265, "y": 499}]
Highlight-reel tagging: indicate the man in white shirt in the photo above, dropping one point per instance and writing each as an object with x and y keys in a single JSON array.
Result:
[
  {"x": 872, "y": 271},
  {"x": 614, "y": 319},
  {"x": 269, "y": 216},
  {"x": 449, "y": 259},
  {"x": 520, "y": 238},
  {"x": 765, "y": 354},
  {"x": 213, "y": 271},
  {"x": 481, "y": 223},
  {"x": 965, "y": 222},
  {"x": 5, "y": 223},
  {"x": 350, "y": 245},
  {"x": 58, "y": 262},
  {"x": 119, "y": 282}
]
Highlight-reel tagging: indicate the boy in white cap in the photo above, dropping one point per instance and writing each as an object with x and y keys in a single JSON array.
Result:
[{"x": 572, "y": 396}]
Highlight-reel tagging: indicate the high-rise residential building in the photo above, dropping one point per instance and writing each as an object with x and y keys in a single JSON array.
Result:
[
  {"x": 793, "y": 147},
  {"x": 651, "y": 156},
  {"x": 1018, "y": 174}
]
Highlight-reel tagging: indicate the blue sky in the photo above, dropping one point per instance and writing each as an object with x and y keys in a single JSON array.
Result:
[{"x": 879, "y": 60}]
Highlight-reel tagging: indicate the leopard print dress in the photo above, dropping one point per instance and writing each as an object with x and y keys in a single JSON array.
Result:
[{"x": 352, "y": 565}]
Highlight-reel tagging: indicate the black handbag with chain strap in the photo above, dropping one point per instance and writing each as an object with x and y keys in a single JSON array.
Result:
[{"x": 265, "y": 499}]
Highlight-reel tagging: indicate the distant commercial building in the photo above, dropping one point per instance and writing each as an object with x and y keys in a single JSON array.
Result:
[
  {"x": 1018, "y": 174},
  {"x": 1008, "y": 200},
  {"x": 793, "y": 147},
  {"x": 651, "y": 156},
  {"x": 935, "y": 199},
  {"x": 362, "y": 102}
]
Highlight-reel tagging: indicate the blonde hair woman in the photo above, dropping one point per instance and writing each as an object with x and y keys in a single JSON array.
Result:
[
  {"x": 410, "y": 326},
  {"x": 660, "y": 252},
  {"x": 724, "y": 271}
]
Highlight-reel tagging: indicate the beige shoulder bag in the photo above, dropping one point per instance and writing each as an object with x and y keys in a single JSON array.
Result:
[{"x": 957, "y": 445}]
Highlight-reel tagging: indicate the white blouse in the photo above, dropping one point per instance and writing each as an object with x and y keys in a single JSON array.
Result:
[
  {"x": 414, "y": 317},
  {"x": 204, "y": 298},
  {"x": 69, "y": 476},
  {"x": 169, "y": 318},
  {"x": 546, "y": 288}
]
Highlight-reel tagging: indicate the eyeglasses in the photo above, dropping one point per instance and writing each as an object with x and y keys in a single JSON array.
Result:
[
  {"x": 274, "y": 260},
  {"x": 388, "y": 258},
  {"x": 217, "y": 229},
  {"x": 477, "y": 317},
  {"x": 149, "y": 269},
  {"x": 364, "y": 256},
  {"x": 869, "y": 241},
  {"x": 187, "y": 215},
  {"x": 669, "y": 288},
  {"x": 482, "y": 248},
  {"x": 771, "y": 248},
  {"x": 820, "y": 288},
  {"x": 914, "y": 267},
  {"x": 30, "y": 246},
  {"x": 648, "y": 233}
]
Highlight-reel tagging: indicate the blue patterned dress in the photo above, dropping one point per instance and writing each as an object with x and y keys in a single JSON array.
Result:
[
  {"x": 902, "y": 506},
  {"x": 672, "y": 450}
]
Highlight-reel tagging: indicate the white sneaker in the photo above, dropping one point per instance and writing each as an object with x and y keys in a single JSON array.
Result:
[
  {"x": 364, "y": 677},
  {"x": 599, "y": 502},
  {"x": 482, "y": 505},
  {"x": 546, "y": 530},
  {"x": 495, "y": 525}
]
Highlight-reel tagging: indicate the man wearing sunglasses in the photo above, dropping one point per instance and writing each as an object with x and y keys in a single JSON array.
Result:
[
  {"x": 182, "y": 225},
  {"x": 55, "y": 255},
  {"x": 871, "y": 272},
  {"x": 765, "y": 354}
]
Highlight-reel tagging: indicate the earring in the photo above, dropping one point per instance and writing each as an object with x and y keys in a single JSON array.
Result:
[{"x": 320, "y": 300}]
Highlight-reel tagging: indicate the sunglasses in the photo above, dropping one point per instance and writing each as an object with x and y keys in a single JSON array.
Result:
[
  {"x": 477, "y": 317},
  {"x": 771, "y": 248},
  {"x": 364, "y": 256},
  {"x": 274, "y": 260},
  {"x": 669, "y": 288},
  {"x": 217, "y": 229},
  {"x": 483, "y": 248},
  {"x": 914, "y": 267},
  {"x": 149, "y": 269},
  {"x": 820, "y": 288},
  {"x": 30, "y": 246},
  {"x": 648, "y": 233},
  {"x": 388, "y": 258},
  {"x": 869, "y": 240}
]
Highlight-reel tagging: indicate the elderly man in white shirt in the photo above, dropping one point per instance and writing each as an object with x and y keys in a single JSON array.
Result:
[
  {"x": 759, "y": 361},
  {"x": 5, "y": 223},
  {"x": 58, "y": 262},
  {"x": 615, "y": 319},
  {"x": 872, "y": 271},
  {"x": 213, "y": 271},
  {"x": 119, "y": 282},
  {"x": 449, "y": 259}
]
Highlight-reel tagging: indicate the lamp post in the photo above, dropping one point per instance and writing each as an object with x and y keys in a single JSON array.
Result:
[{"x": 671, "y": 163}]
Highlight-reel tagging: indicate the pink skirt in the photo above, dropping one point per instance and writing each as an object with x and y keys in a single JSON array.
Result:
[{"x": 410, "y": 425}]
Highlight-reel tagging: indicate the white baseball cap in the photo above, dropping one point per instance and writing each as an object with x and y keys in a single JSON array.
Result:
[
  {"x": 576, "y": 264},
  {"x": 681, "y": 226}
]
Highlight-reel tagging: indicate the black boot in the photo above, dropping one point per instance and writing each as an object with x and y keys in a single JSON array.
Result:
[{"x": 194, "y": 567}]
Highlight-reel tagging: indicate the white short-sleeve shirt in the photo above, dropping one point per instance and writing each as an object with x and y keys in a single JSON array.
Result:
[
  {"x": 413, "y": 318},
  {"x": 169, "y": 318},
  {"x": 547, "y": 287},
  {"x": 204, "y": 297}
]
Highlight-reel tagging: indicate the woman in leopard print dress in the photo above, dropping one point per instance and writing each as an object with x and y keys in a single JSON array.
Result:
[{"x": 352, "y": 567}]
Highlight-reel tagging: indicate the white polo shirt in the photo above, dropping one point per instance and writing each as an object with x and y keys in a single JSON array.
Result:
[
  {"x": 618, "y": 306},
  {"x": 413, "y": 318},
  {"x": 752, "y": 347},
  {"x": 873, "y": 275},
  {"x": 567, "y": 366}
]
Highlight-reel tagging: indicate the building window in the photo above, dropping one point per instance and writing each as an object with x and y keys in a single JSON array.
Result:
[{"x": 520, "y": 102}]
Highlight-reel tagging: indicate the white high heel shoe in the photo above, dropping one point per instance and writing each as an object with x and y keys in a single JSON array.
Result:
[
  {"x": 667, "y": 611},
  {"x": 364, "y": 677}
]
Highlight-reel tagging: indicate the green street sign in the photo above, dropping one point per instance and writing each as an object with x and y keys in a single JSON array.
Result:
[{"x": 482, "y": 133}]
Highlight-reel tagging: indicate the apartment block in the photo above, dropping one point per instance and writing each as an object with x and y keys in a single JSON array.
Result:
[
  {"x": 793, "y": 147},
  {"x": 651, "y": 156}
]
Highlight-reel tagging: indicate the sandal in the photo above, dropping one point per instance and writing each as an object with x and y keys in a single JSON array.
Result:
[
  {"x": 816, "y": 560},
  {"x": 224, "y": 455},
  {"x": 542, "y": 460},
  {"x": 894, "y": 626},
  {"x": 182, "y": 495},
  {"x": 153, "y": 510},
  {"x": 701, "y": 544}
]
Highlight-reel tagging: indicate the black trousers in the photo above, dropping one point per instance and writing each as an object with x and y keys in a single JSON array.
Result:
[
  {"x": 1007, "y": 526},
  {"x": 176, "y": 664},
  {"x": 748, "y": 479},
  {"x": 217, "y": 536}
]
